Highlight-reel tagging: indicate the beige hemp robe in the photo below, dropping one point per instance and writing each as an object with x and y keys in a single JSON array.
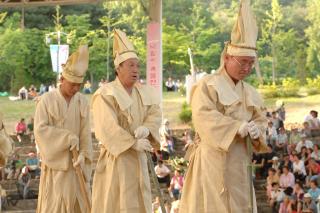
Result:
[
  {"x": 217, "y": 178},
  {"x": 121, "y": 181},
  {"x": 55, "y": 122},
  {"x": 5, "y": 145}
]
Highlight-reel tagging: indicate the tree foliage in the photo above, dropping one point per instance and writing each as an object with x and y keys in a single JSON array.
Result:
[{"x": 288, "y": 40}]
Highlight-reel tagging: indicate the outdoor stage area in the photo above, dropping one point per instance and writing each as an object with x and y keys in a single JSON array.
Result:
[{"x": 172, "y": 103}]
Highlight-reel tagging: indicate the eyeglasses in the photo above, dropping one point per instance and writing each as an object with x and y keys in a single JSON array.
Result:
[{"x": 244, "y": 65}]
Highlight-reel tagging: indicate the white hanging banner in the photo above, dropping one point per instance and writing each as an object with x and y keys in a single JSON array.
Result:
[{"x": 63, "y": 56}]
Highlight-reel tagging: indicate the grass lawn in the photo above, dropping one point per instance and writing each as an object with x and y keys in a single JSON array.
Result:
[
  {"x": 13, "y": 111},
  {"x": 296, "y": 108}
]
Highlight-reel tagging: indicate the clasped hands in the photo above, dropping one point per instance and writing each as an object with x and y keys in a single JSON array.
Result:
[
  {"x": 249, "y": 128},
  {"x": 142, "y": 143}
]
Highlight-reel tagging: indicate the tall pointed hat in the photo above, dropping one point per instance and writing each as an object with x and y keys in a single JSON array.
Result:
[
  {"x": 244, "y": 33},
  {"x": 77, "y": 64},
  {"x": 122, "y": 48}
]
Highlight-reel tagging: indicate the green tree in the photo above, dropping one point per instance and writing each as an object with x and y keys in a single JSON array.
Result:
[
  {"x": 312, "y": 32},
  {"x": 270, "y": 31},
  {"x": 12, "y": 65},
  {"x": 175, "y": 46},
  {"x": 203, "y": 32}
]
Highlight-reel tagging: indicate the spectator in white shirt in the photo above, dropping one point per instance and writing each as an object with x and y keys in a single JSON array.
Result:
[
  {"x": 169, "y": 85},
  {"x": 313, "y": 120},
  {"x": 282, "y": 140},
  {"x": 163, "y": 173},
  {"x": 275, "y": 163},
  {"x": 23, "y": 93},
  {"x": 271, "y": 134},
  {"x": 299, "y": 169},
  {"x": 277, "y": 123},
  {"x": 304, "y": 142},
  {"x": 316, "y": 153}
]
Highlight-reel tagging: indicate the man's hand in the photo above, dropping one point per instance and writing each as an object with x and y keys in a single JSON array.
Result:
[
  {"x": 254, "y": 131},
  {"x": 85, "y": 170},
  {"x": 141, "y": 132},
  {"x": 142, "y": 145},
  {"x": 79, "y": 161},
  {"x": 74, "y": 143},
  {"x": 243, "y": 130}
]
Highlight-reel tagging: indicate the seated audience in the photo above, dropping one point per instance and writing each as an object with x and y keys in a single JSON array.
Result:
[
  {"x": 21, "y": 129},
  {"x": 163, "y": 173}
]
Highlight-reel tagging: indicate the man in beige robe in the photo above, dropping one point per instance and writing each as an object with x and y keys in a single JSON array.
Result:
[
  {"x": 127, "y": 118},
  {"x": 5, "y": 144},
  {"x": 61, "y": 125},
  {"x": 226, "y": 110},
  {"x": 5, "y": 149}
]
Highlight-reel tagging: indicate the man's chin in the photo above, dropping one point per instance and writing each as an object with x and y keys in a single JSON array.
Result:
[
  {"x": 242, "y": 77},
  {"x": 72, "y": 94}
]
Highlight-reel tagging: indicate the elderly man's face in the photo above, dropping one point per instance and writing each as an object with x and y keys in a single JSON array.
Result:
[
  {"x": 68, "y": 88},
  {"x": 238, "y": 67},
  {"x": 128, "y": 72}
]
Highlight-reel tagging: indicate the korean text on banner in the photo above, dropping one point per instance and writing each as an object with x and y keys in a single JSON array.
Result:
[{"x": 154, "y": 77}]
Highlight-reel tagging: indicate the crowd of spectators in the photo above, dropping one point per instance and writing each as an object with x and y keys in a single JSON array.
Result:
[
  {"x": 21, "y": 168},
  {"x": 173, "y": 85},
  {"x": 291, "y": 167},
  {"x": 169, "y": 176},
  {"x": 33, "y": 92},
  {"x": 22, "y": 172}
]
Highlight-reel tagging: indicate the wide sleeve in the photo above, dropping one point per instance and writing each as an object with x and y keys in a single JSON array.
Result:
[
  {"x": 107, "y": 129},
  {"x": 153, "y": 123},
  {"x": 85, "y": 137},
  {"x": 212, "y": 126},
  {"x": 5, "y": 146},
  {"x": 53, "y": 142}
]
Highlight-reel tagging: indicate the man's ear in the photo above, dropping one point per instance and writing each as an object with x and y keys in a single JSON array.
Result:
[
  {"x": 117, "y": 70},
  {"x": 226, "y": 57}
]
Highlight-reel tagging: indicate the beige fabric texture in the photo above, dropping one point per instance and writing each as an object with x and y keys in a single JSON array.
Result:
[
  {"x": 122, "y": 48},
  {"x": 56, "y": 122},
  {"x": 217, "y": 178},
  {"x": 5, "y": 144},
  {"x": 77, "y": 65},
  {"x": 121, "y": 181},
  {"x": 244, "y": 32}
]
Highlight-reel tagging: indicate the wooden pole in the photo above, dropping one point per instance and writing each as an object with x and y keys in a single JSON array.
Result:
[
  {"x": 82, "y": 182},
  {"x": 155, "y": 181},
  {"x": 249, "y": 167}
]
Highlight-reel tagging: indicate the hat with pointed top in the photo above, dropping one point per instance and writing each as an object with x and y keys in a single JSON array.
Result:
[
  {"x": 76, "y": 66},
  {"x": 122, "y": 48},
  {"x": 244, "y": 33}
]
